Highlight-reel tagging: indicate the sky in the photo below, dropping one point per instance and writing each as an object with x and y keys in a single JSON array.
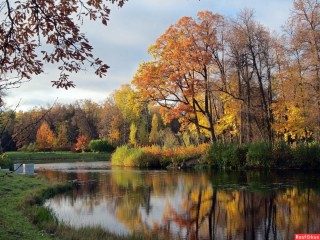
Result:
[{"x": 124, "y": 42}]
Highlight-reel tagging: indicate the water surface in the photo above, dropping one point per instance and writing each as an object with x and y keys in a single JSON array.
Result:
[{"x": 188, "y": 205}]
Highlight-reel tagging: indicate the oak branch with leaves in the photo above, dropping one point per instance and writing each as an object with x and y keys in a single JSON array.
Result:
[{"x": 34, "y": 32}]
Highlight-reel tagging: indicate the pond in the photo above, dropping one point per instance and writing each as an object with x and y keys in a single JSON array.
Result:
[{"x": 187, "y": 204}]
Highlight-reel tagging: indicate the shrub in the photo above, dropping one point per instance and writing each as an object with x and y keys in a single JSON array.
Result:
[
  {"x": 259, "y": 154},
  {"x": 230, "y": 155},
  {"x": 155, "y": 156},
  {"x": 282, "y": 155},
  {"x": 119, "y": 155},
  {"x": 5, "y": 162},
  {"x": 242, "y": 152},
  {"x": 307, "y": 155},
  {"x": 129, "y": 157},
  {"x": 100, "y": 145},
  {"x": 135, "y": 158}
]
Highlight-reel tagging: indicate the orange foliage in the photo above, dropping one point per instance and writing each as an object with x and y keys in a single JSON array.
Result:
[
  {"x": 82, "y": 143},
  {"x": 45, "y": 136},
  {"x": 178, "y": 77},
  {"x": 176, "y": 155}
]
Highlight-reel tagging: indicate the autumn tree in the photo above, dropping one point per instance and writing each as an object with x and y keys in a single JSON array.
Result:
[
  {"x": 188, "y": 59},
  {"x": 37, "y": 32},
  {"x": 303, "y": 49},
  {"x": 26, "y": 126},
  {"x": 154, "y": 134},
  {"x": 114, "y": 133},
  {"x": 85, "y": 118},
  {"x": 45, "y": 136},
  {"x": 131, "y": 107},
  {"x": 62, "y": 141},
  {"x": 133, "y": 134},
  {"x": 82, "y": 143},
  {"x": 254, "y": 58}
]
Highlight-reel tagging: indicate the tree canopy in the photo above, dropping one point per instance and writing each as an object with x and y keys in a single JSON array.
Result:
[
  {"x": 35, "y": 32},
  {"x": 235, "y": 80}
]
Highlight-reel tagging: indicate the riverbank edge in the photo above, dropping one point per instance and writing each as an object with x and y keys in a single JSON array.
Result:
[
  {"x": 261, "y": 155},
  {"x": 7, "y": 159},
  {"x": 27, "y": 218}
]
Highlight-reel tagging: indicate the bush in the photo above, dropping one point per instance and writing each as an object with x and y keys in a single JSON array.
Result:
[
  {"x": 226, "y": 155},
  {"x": 214, "y": 156},
  {"x": 6, "y": 162},
  {"x": 263, "y": 155},
  {"x": 282, "y": 155},
  {"x": 119, "y": 155},
  {"x": 259, "y": 154},
  {"x": 100, "y": 145},
  {"x": 129, "y": 157},
  {"x": 307, "y": 156},
  {"x": 155, "y": 156},
  {"x": 135, "y": 158}
]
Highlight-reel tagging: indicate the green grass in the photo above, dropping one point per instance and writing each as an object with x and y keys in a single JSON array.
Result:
[
  {"x": 129, "y": 157},
  {"x": 48, "y": 157},
  {"x": 13, "y": 223},
  {"x": 24, "y": 217},
  {"x": 264, "y": 155}
]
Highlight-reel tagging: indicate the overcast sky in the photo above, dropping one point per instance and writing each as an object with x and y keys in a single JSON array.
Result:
[{"x": 124, "y": 42}]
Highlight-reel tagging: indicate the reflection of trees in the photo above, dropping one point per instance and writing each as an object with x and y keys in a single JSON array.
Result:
[
  {"x": 202, "y": 205},
  {"x": 298, "y": 211}
]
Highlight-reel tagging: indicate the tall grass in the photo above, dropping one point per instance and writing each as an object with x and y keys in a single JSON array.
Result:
[
  {"x": 220, "y": 155},
  {"x": 263, "y": 155},
  {"x": 306, "y": 156},
  {"x": 155, "y": 156},
  {"x": 226, "y": 155},
  {"x": 130, "y": 157},
  {"x": 259, "y": 155}
]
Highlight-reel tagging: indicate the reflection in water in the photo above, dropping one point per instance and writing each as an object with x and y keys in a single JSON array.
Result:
[{"x": 191, "y": 205}]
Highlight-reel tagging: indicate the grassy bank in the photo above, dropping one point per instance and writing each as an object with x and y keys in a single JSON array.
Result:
[
  {"x": 13, "y": 223},
  {"x": 23, "y": 217},
  {"x": 49, "y": 157},
  {"x": 262, "y": 155}
]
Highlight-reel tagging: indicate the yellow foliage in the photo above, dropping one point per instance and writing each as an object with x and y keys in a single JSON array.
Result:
[
  {"x": 229, "y": 122},
  {"x": 45, "y": 136}
]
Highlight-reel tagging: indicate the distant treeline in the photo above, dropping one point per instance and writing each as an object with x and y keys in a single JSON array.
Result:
[{"x": 211, "y": 79}]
